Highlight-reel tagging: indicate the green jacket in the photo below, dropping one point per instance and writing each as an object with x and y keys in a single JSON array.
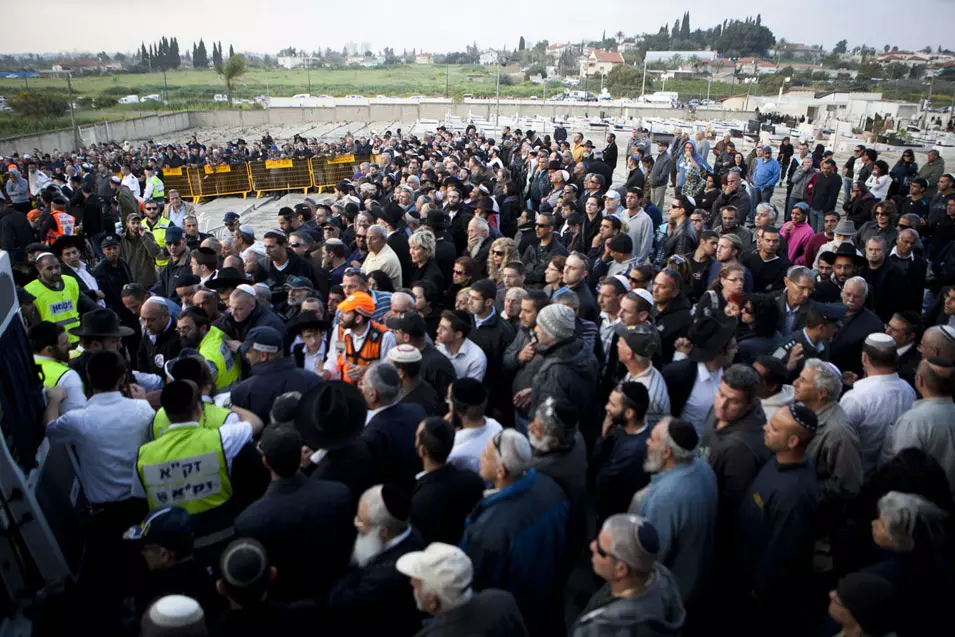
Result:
[{"x": 141, "y": 252}]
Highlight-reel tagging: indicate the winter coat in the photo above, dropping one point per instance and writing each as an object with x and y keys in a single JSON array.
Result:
[
  {"x": 268, "y": 381},
  {"x": 140, "y": 252},
  {"x": 569, "y": 372}
]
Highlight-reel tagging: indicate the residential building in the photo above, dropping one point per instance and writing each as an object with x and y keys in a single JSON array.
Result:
[{"x": 599, "y": 63}]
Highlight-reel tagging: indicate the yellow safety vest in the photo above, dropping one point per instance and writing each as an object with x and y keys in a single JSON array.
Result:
[
  {"x": 214, "y": 349},
  {"x": 159, "y": 188},
  {"x": 51, "y": 371},
  {"x": 159, "y": 234},
  {"x": 186, "y": 467},
  {"x": 58, "y": 306},
  {"x": 212, "y": 418}
]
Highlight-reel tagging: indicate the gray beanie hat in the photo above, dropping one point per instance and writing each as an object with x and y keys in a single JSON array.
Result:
[{"x": 557, "y": 321}]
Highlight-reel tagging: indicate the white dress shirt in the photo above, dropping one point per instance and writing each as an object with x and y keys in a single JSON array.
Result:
[
  {"x": 470, "y": 442},
  {"x": 106, "y": 434},
  {"x": 470, "y": 361},
  {"x": 872, "y": 406},
  {"x": 700, "y": 402},
  {"x": 132, "y": 183},
  {"x": 656, "y": 386}
]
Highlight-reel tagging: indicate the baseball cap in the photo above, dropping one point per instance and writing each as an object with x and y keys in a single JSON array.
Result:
[
  {"x": 230, "y": 216},
  {"x": 410, "y": 323},
  {"x": 831, "y": 311},
  {"x": 642, "y": 339},
  {"x": 262, "y": 339},
  {"x": 298, "y": 283},
  {"x": 174, "y": 234},
  {"x": 359, "y": 302},
  {"x": 109, "y": 240},
  {"x": 170, "y": 527},
  {"x": 441, "y": 567},
  {"x": 612, "y": 194}
]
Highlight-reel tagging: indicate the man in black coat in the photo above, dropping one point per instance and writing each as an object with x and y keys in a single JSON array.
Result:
[
  {"x": 330, "y": 417},
  {"x": 912, "y": 265},
  {"x": 444, "y": 495},
  {"x": 180, "y": 264},
  {"x": 246, "y": 313},
  {"x": 859, "y": 322},
  {"x": 112, "y": 274},
  {"x": 887, "y": 282},
  {"x": 537, "y": 256},
  {"x": 445, "y": 252},
  {"x": 610, "y": 152},
  {"x": 276, "y": 247},
  {"x": 16, "y": 233},
  {"x": 272, "y": 373},
  {"x": 671, "y": 315},
  {"x": 373, "y": 598},
  {"x": 459, "y": 217},
  {"x": 492, "y": 334},
  {"x": 390, "y": 432},
  {"x": 295, "y": 516},
  {"x": 160, "y": 342},
  {"x": 390, "y": 217}
]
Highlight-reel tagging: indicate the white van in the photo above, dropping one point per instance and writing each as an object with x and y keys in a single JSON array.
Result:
[
  {"x": 129, "y": 99},
  {"x": 219, "y": 97},
  {"x": 150, "y": 98}
]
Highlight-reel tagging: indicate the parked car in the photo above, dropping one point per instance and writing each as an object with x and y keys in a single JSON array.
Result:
[
  {"x": 219, "y": 97},
  {"x": 129, "y": 99}
]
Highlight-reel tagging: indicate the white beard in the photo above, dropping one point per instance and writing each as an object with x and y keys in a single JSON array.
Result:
[
  {"x": 653, "y": 463},
  {"x": 536, "y": 443},
  {"x": 367, "y": 547}
]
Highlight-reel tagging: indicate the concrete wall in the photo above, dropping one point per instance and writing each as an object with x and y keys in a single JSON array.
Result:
[{"x": 132, "y": 129}]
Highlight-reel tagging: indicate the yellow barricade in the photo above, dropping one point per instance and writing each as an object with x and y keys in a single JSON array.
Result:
[
  {"x": 225, "y": 179},
  {"x": 328, "y": 172},
  {"x": 280, "y": 174},
  {"x": 178, "y": 179}
]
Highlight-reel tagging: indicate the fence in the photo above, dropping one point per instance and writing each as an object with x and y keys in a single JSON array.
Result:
[{"x": 258, "y": 177}]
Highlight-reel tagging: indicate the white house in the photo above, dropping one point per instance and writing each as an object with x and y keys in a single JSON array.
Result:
[
  {"x": 290, "y": 61},
  {"x": 424, "y": 58},
  {"x": 490, "y": 57},
  {"x": 599, "y": 63}
]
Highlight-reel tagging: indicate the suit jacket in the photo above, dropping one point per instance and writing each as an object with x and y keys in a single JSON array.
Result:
[
  {"x": 442, "y": 500},
  {"x": 680, "y": 376},
  {"x": 459, "y": 228},
  {"x": 908, "y": 365},
  {"x": 799, "y": 319},
  {"x": 390, "y": 436},
  {"x": 376, "y": 599},
  {"x": 351, "y": 465},
  {"x": 398, "y": 241},
  {"x": 295, "y": 516},
  {"x": 480, "y": 259}
]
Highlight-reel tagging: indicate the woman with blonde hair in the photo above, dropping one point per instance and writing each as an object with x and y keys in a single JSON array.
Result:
[
  {"x": 725, "y": 296},
  {"x": 503, "y": 251}
]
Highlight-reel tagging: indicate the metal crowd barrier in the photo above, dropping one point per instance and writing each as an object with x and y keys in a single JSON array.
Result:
[{"x": 259, "y": 177}]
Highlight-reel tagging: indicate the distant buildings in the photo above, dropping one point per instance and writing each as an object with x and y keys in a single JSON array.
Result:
[
  {"x": 490, "y": 57},
  {"x": 424, "y": 58},
  {"x": 598, "y": 63},
  {"x": 796, "y": 51}
]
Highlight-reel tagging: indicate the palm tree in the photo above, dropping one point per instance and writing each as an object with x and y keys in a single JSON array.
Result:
[
  {"x": 619, "y": 36},
  {"x": 234, "y": 68}
]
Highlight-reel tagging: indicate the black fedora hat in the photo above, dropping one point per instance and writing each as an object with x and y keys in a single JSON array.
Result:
[
  {"x": 845, "y": 250},
  {"x": 102, "y": 323},
  {"x": 331, "y": 415},
  {"x": 709, "y": 336},
  {"x": 306, "y": 320},
  {"x": 227, "y": 278},
  {"x": 66, "y": 241}
]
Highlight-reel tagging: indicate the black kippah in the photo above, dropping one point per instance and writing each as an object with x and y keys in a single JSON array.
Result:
[
  {"x": 683, "y": 434},
  {"x": 397, "y": 501}
]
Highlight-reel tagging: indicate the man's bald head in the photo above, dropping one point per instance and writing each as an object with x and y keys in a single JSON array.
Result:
[
  {"x": 935, "y": 376},
  {"x": 935, "y": 342}
]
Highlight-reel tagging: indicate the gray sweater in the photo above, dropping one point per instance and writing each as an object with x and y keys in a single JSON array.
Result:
[{"x": 929, "y": 426}]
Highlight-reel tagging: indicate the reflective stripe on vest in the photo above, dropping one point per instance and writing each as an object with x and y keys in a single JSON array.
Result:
[
  {"x": 65, "y": 223},
  {"x": 214, "y": 349},
  {"x": 212, "y": 418},
  {"x": 369, "y": 353},
  {"x": 159, "y": 189},
  {"x": 159, "y": 234},
  {"x": 58, "y": 306},
  {"x": 186, "y": 467},
  {"x": 51, "y": 371}
]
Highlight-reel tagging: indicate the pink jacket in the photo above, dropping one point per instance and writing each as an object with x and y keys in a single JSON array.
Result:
[{"x": 797, "y": 238}]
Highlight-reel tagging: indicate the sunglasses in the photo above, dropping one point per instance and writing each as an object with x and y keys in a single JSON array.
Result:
[
  {"x": 296, "y": 245},
  {"x": 601, "y": 552},
  {"x": 903, "y": 226},
  {"x": 459, "y": 272},
  {"x": 542, "y": 225},
  {"x": 151, "y": 208},
  {"x": 499, "y": 253}
]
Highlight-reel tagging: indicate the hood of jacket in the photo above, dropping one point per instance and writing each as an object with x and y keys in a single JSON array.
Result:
[
  {"x": 785, "y": 396},
  {"x": 573, "y": 353},
  {"x": 658, "y": 610}
]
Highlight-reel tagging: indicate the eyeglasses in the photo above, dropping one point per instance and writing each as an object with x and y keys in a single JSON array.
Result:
[
  {"x": 296, "y": 245},
  {"x": 903, "y": 226},
  {"x": 459, "y": 272},
  {"x": 151, "y": 208},
  {"x": 601, "y": 552},
  {"x": 499, "y": 253},
  {"x": 542, "y": 225}
]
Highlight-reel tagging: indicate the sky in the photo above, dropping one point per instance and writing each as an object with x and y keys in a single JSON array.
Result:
[{"x": 430, "y": 25}]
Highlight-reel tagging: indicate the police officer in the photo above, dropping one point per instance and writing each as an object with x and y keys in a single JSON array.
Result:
[
  {"x": 197, "y": 332},
  {"x": 58, "y": 297},
  {"x": 190, "y": 465},
  {"x": 821, "y": 323},
  {"x": 51, "y": 352},
  {"x": 157, "y": 225},
  {"x": 155, "y": 189}
]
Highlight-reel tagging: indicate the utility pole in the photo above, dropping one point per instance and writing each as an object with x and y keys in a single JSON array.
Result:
[
  {"x": 165, "y": 84},
  {"x": 76, "y": 132},
  {"x": 447, "y": 80},
  {"x": 928, "y": 103},
  {"x": 308, "y": 73},
  {"x": 643, "y": 87},
  {"x": 497, "y": 117}
]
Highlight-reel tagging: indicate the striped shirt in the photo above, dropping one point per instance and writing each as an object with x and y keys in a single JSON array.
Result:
[{"x": 659, "y": 407}]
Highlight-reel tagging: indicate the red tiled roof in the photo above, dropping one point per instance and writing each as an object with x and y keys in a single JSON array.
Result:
[{"x": 608, "y": 56}]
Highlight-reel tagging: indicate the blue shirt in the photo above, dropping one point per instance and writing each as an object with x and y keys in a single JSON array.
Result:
[
  {"x": 682, "y": 503},
  {"x": 766, "y": 173}
]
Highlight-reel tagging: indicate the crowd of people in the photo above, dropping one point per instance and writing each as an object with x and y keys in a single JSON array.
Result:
[{"x": 483, "y": 372}]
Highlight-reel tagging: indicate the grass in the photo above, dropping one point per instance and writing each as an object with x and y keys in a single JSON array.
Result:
[{"x": 194, "y": 89}]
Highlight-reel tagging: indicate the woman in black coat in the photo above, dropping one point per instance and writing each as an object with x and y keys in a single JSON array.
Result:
[{"x": 422, "y": 245}]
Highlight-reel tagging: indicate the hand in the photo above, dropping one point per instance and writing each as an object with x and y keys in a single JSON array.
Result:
[
  {"x": 56, "y": 395},
  {"x": 100, "y": 295},
  {"x": 683, "y": 345},
  {"x": 606, "y": 254},
  {"x": 233, "y": 345},
  {"x": 795, "y": 356},
  {"x": 355, "y": 372},
  {"x": 522, "y": 398},
  {"x": 136, "y": 392},
  {"x": 607, "y": 427},
  {"x": 596, "y": 242},
  {"x": 849, "y": 378},
  {"x": 527, "y": 353}
]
